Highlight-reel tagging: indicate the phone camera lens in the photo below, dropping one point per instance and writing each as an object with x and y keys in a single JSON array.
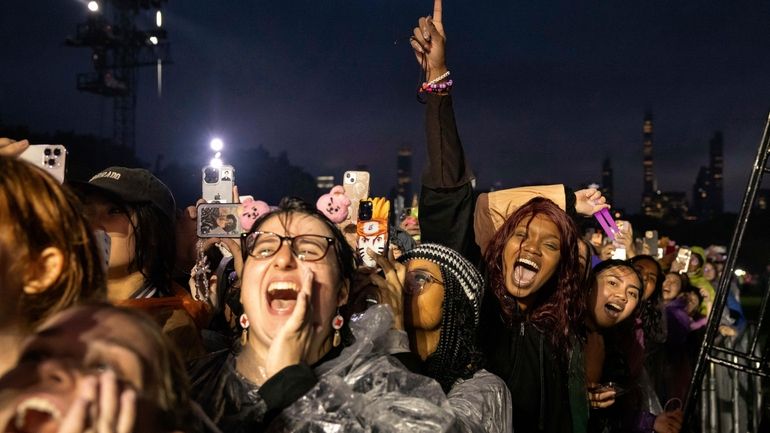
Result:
[
  {"x": 47, "y": 152},
  {"x": 51, "y": 162},
  {"x": 57, "y": 152},
  {"x": 211, "y": 175}
]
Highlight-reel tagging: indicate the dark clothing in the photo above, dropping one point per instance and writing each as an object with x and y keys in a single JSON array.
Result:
[
  {"x": 447, "y": 200},
  {"x": 521, "y": 355},
  {"x": 237, "y": 405},
  {"x": 525, "y": 359},
  {"x": 678, "y": 370}
]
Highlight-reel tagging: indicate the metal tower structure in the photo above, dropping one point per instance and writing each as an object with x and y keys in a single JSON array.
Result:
[{"x": 121, "y": 40}]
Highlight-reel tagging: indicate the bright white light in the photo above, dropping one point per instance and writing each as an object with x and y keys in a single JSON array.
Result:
[
  {"x": 216, "y": 161},
  {"x": 93, "y": 6},
  {"x": 154, "y": 40},
  {"x": 740, "y": 273},
  {"x": 158, "y": 19},
  {"x": 217, "y": 144}
]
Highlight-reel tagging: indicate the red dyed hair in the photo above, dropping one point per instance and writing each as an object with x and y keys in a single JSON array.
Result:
[{"x": 559, "y": 306}]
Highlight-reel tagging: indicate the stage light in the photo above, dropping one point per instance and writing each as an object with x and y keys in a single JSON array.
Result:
[
  {"x": 740, "y": 273},
  {"x": 153, "y": 40},
  {"x": 93, "y": 6},
  {"x": 216, "y": 144},
  {"x": 158, "y": 19},
  {"x": 216, "y": 161}
]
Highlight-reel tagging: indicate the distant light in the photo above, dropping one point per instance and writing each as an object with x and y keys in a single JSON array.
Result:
[
  {"x": 93, "y": 6},
  {"x": 159, "y": 19},
  {"x": 216, "y": 161},
  {"x": 217, "y": 144},
  {"x": 154, "y": 40},
  {"x": 740, "y": 273}
]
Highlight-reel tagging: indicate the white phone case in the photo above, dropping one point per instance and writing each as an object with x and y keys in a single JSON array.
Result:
[
  {"x": 50, "y": 157},
  {"x": 217, "y": 184}
]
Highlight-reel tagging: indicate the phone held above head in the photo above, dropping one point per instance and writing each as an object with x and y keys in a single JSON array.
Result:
[
  {"x": 217, "y": 183},
  {"x": 50, "y": 157},
  {"x": 356, "y": 185}
]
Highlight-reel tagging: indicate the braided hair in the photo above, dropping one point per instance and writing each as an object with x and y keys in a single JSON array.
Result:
[{"x": 456, "y": 355}]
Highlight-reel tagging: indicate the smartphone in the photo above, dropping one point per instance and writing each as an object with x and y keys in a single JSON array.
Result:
[
  {"x": 372, "y": 229},
  {"x": 372, "y": 234},
  {"x": 50, "y": 157},
  {"x": 651, "y": 239},
  {"x": 219, "y": 220},
  {"x": 364, "y": 210},
  {"x": 356, "y": 185},
  {"x": 611, "y": 386},
  {"x": 619, "y": 253},
  {"x": 682, "y": 262},
  {"x": 217, "y": 184}
]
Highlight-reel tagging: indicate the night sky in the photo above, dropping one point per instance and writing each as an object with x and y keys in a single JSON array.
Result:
[{"x": 544, "y": 90}]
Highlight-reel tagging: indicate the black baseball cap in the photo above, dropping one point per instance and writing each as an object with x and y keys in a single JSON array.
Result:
[{"x": 134, "y": 185}]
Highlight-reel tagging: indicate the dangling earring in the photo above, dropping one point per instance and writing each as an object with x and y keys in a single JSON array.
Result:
[
  {"x": 200, "y": 274},
  {"x": 245, "y": 325},
  {"x": 337, "y": 323}
]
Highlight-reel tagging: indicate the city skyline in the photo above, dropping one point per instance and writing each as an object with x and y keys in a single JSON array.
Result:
[{"x": 543, "y": 93}]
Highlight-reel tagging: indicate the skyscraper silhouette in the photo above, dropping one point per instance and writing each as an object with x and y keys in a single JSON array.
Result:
[
  {"x": 716, "y": 167},
  {"x": 607, "y": 183},
  {"x": 404, "y": 172},
  {"x": 650, "y": 188}
]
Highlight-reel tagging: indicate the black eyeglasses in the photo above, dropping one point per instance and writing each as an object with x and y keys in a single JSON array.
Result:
[
  {"x": 417, "y": 279},
  {"x": 308, "y": 248}
]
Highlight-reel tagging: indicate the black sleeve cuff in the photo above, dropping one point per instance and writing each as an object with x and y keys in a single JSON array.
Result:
[
  {"x": 286, "y": 387},
  {"x": 569, "y": 201}
]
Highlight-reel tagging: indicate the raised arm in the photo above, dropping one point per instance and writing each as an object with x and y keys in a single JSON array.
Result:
[{"x": 446, "y": 200}]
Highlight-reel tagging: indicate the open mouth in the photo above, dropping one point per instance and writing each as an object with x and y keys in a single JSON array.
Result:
[
  {"x": 282, "y": 297},
  {"x": 614, "y": 309},
  {"x": 35, "y": 415},
  {"x": 524, "y": 272}
]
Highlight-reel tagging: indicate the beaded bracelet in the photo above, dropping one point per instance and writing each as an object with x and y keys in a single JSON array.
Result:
[
  {"x": 439, "y": 78},
  {"x": 437, "y": 87}
]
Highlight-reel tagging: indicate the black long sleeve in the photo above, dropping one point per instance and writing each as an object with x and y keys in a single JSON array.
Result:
[{"x": 447, "y": 200}]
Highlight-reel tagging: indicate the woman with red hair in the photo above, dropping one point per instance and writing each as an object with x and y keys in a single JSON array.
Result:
[{"x": 533, "y": 307}]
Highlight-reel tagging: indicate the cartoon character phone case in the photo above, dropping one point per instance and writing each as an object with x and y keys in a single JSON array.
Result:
[{"x": 373, "y": 232}]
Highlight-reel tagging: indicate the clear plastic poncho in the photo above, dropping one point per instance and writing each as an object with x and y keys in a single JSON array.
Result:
[{"x": 364, "y": 390}]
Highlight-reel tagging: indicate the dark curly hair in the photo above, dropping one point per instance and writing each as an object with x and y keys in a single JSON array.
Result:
[
  {"x": 344, "y": 254},
  {"x": 560, "y": 306},
  {"x": 292, "y": 205}
]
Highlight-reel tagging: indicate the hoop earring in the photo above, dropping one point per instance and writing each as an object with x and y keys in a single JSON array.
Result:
[
  {"x": 337, "y": 323},
  {"x": 244, "y": 321}
]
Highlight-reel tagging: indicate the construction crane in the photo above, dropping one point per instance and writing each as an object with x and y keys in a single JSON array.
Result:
[{"x": 121, "y": 40}]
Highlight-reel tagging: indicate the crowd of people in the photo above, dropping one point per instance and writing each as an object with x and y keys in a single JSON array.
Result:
[{"x": 489, "y": 313}]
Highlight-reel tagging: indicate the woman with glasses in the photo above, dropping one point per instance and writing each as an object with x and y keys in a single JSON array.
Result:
[
  {"x": 442, "y": 298},
  {"x": 294, "y": 288}
]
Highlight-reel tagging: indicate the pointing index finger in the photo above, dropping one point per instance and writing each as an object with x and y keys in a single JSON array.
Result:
[{"x": 437, "y": 11}]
